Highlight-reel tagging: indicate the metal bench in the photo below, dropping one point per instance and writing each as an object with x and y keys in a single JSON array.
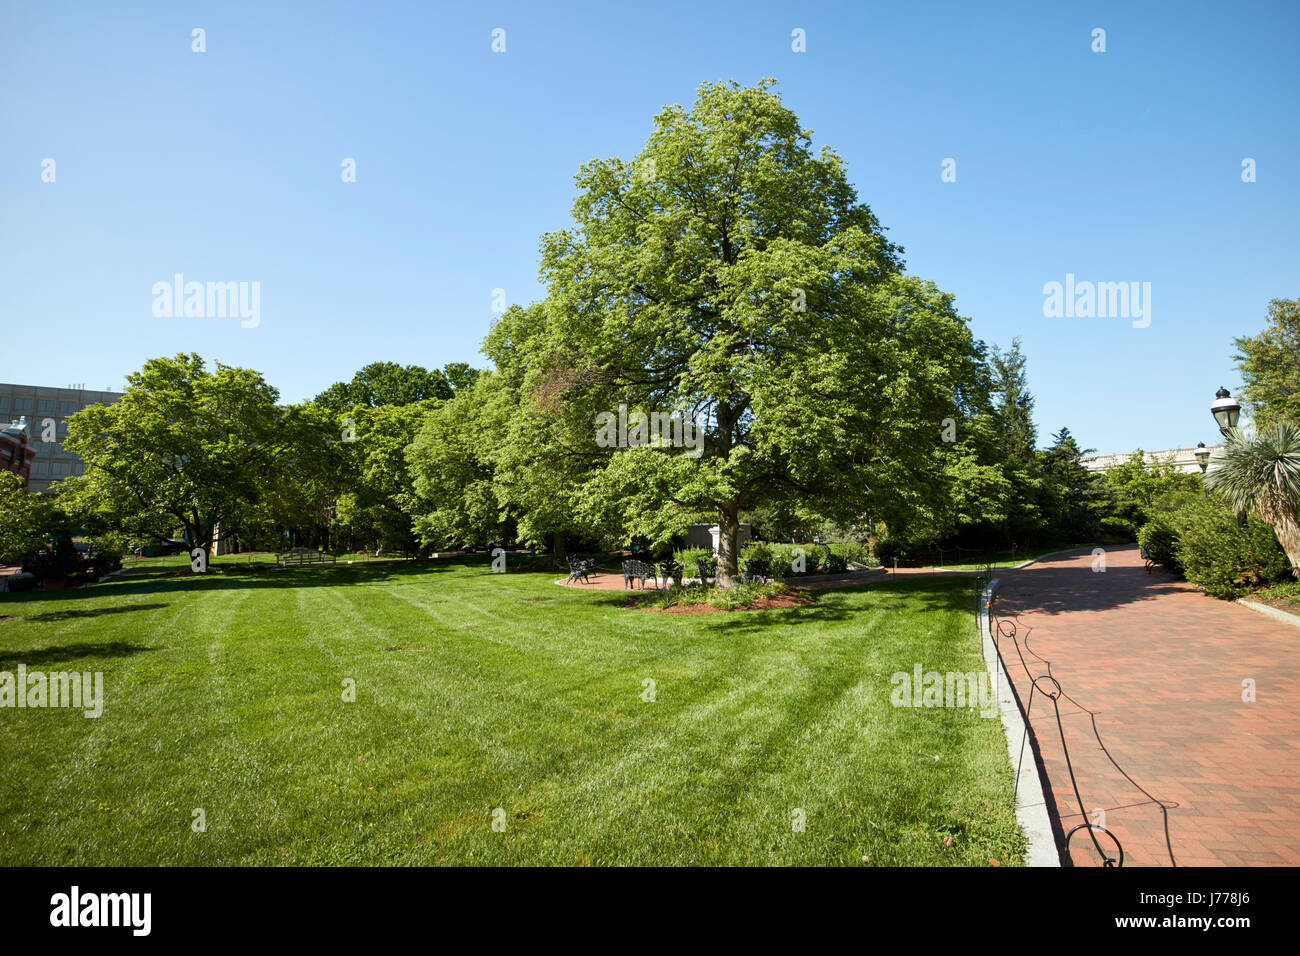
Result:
[
  {"x": 1150, "y": 561},
  {"x": 580, "y": 570},
  {"x": 635, "y": 570},
  {"x": 756, "y": 569},
  {"x": 300, "y": 556}
]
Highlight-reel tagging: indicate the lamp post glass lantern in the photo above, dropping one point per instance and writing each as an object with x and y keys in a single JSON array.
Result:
[
  {"x": 1202, "y": 455},
  {"x": 1226, "y": 410}
]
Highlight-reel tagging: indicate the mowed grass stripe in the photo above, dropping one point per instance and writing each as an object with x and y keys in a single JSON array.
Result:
[{"x": 477, "y": 691}]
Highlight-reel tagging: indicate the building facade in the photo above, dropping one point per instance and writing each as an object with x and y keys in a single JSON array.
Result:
[
  {"x": 1184, "y": 459},
  {"x": 46, "y": 411},
  {"x": 15, "y": 454}
]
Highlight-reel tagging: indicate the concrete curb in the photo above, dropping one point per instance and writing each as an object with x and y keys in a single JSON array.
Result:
[
  {"x": 1292, "y": 619},
  {"x": 1023, "y": 564},
  {"x": 1055, "y": 554},
  {"x": 1031, "y": 805},
  {"x": 824, "y": 578}
]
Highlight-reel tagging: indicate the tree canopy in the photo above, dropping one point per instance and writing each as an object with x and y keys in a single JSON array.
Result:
[
  {"x": 1270, "y": 366},
  {"x": 729, "y": 276},
  {"x": 183, "y": 446},
  {"x": 388, "y": 383}
]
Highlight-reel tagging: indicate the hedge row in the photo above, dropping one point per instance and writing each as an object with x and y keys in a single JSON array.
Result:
[
  {"x": 1200, "y": 540},
  {"x": 781, "y": 560}
]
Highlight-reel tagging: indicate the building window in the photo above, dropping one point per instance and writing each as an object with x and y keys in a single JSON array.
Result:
[
  {"x": 22, "y": 404},
  {"x": 45, "y": 406},
  {"x": 4, "y": 403},
  {"x": 67, "y": 408}
]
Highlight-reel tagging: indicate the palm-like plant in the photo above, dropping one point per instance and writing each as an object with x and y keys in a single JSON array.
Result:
[{"x": 1261, "y": 473}]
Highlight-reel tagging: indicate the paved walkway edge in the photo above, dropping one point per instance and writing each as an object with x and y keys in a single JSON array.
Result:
[
  {"x": 1272, "y": 612},
  {"x": 1031, "y": 805},
  {"x": 1023, "y": 564},
  {"x": 863, "y": 574}
]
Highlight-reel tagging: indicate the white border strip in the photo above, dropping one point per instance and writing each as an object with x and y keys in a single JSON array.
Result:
[
  {"x": 1031, "y": 805},
  {"x": 1292, "y": 619},
  {"x": 1023, "y": 564}
]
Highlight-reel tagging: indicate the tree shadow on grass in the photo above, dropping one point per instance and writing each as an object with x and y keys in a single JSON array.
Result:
[
  {"x": 68, "y": 652},
  {"x": 91, "y": 612},
  {"x": 756, "y": 620},
  {"x": 168, "y": 580}
]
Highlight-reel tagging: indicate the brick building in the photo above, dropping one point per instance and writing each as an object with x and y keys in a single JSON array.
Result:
[{"x": 15, "y": 453}]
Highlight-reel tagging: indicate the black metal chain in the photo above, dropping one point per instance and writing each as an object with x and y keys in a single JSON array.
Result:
[{"x": 1007, "y": 628}]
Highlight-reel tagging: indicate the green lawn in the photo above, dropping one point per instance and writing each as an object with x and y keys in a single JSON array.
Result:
[{"x": 477, "y": 691}]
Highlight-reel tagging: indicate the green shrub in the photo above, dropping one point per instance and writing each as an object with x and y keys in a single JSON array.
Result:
[
  {"x": 1200, "y": 540},
  {"x": 781, "y": 558},
  {"x": 61, "y": 561},
  {"x": 854, "y": 553},
  {"x": 743, "y": 595},
  {"x": 1221, "y": 559},
  {"x": 736, "y": 597},
  {"x": 105, "y": 553},
  {"x": 1118, "y": 528},
  {"x": 832, "y": 563},
  {"x": 761, "y": 553},
  {"x": 698, "y": 563},
  {"x": 1159, "y": 539}
]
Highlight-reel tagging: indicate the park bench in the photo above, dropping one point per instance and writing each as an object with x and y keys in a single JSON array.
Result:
[
  {"x": 1150, "y": 561},
  {"x": 300, "y": 556},
  {"x": 635, "y": 570},
  {"x": 580, "y": 570}
]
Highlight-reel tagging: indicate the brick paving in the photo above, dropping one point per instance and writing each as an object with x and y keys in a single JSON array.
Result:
[{"x": 1161, "y": 667}]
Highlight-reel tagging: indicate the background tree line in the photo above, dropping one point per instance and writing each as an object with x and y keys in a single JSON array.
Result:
[{"x": 728, "y": 274}]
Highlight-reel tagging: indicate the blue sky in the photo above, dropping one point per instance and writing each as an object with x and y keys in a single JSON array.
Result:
[{"x": 225, "y": 166}]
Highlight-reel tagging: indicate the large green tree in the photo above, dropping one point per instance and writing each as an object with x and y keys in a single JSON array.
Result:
[
  {"x": 1140, "y": 482},
  {"x": 297, "y": 499},
  {"x": 1270, "y": 365},
  {"x": 543, "y": 458},
  {"x": 26, "y": 518},
  {"x": 452, "y": 460},
  {"x": 1014, "y": 411},
  {"x": 183, "y": 447},
  {"x": 388, "y": 383},
  {"x": 730, "y": 275},
  {"x": 1073, "y": 497},
  {"x": 375, "y": 500}
]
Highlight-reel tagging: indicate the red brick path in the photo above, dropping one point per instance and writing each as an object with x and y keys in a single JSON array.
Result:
[{"x": 1161, "y": 665}]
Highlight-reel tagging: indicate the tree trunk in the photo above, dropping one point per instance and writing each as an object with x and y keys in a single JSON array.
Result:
[
  {"x": 200, "y": 537},
  {"x": 1288, "y": 535},
  {"x": 728, "y": 548},
  {"x": 728, "y": 523},
  {"x": 557, "y": 549}
]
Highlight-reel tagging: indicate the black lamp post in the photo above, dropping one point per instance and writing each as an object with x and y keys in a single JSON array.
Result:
[
  {"x": 1202, "y": 455},
  {"x": 1227, "y": 412}
]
